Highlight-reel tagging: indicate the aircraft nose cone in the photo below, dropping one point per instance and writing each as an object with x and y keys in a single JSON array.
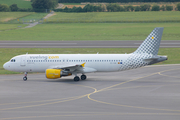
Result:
[{"x": 5, "y": 66}]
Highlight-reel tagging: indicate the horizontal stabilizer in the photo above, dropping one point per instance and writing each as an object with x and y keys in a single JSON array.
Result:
[
  {"x": 150, "y": 59},
  {"x": 156, "y": 59}
]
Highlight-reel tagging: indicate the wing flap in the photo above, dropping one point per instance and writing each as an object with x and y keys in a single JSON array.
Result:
[
  {"x": 71, "y": 67},
  {"x": 77, "y": 68}
]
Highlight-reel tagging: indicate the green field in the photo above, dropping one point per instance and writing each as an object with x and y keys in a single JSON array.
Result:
[
  {"x": 89, "y": 31},
  {"x": 20, "y": 3},
  {"x": 8, "y": 16},
  {"x": 20, "y": 17},
  {"x": 71, "y": 3},
  {"x": 172, "y": 53},
  {"x": 114, "y": 17},
  {"x": 99, "y": 17},
  {"x": 92, "y": 31},
  {"x": 33, "y": 17},
  {"x": 6, "y": 27}
]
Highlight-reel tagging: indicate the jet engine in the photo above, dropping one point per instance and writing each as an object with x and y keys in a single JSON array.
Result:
[{"x": 56, "y": 73}]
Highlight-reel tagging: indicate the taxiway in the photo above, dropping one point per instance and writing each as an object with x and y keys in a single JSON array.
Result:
[
  {"x": 84, "y": 44},
  {"x": 148, "y": 93}
]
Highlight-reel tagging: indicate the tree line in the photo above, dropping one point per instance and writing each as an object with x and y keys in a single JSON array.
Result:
[
  {"x": 37, "y": 6},
  {"x": 114, "y": 7},
  {"x": 42, "y": 5},
  {"x": 13, "y": 7},
  {"x": 114, "y": 1}
]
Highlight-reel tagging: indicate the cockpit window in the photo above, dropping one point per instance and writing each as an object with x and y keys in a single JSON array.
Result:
[{"x": 13, "y": 60}]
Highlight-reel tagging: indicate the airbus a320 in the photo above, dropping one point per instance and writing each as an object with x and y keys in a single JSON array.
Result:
[{"x": 61, "y": 65}]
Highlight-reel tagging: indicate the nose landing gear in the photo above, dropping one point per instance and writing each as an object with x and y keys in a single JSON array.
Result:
[{"x": 25, "y": 76}]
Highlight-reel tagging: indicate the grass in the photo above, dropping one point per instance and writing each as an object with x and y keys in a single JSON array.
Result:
[
  {"x": 33, "y": 17},
  {"x": 97, "y": 17},
  {"x": 172, "y": 53},
  {"x": 20, "y": 17},
  {"x": 71, "y": 3},
  {"x": 109, "y": 17},
  {"x": 92, "y": 31},
  {"x": 7, "y": 16},
  {"x": 20, "y": 3},
  {"x": 6, "y": 27}
]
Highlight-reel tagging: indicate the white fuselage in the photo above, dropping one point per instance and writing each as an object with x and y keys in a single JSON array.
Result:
[{"x": 41, "y": 62}]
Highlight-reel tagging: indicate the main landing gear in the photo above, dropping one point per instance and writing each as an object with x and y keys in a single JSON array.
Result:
[
  {"x": 83, "y": 77},
  {"x": 25, "y": 76}
]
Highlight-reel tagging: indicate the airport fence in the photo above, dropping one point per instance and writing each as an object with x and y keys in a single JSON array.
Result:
[{"x": 86, "y": 20}]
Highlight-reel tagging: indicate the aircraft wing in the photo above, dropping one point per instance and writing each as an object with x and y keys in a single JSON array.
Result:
[{"x": 78, "y": 68}]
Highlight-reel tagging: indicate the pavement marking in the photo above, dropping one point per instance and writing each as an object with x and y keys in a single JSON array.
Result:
[
  {"x": 129, "y": 105},
  {"x": 38, "y": 101},
  {"x": 57, "y": 101},
  {"x": 160, "y": 73},
  {"x": 75, "y": 98}
]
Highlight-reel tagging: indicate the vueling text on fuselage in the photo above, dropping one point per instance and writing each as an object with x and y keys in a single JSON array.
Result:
[{"x": 44, "y": 57}]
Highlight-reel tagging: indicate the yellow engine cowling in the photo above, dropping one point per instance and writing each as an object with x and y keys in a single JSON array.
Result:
[
  {"x": 56, "y": 73},
  {"x": 53, "y": 73}
]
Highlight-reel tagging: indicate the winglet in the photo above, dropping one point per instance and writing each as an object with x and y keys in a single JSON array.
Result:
[{"x": 83, "y": 64}]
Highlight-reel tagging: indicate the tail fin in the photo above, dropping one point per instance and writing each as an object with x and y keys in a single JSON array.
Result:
[{"x": 151, "y": 43}]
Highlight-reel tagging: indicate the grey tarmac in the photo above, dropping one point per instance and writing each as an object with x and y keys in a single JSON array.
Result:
[
  {"x": 148, "y": 93},
  {"x": 85, "y": 44}
]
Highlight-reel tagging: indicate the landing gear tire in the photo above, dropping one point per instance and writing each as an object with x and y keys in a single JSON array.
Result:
[
  {"x": 25, "y": 78},
  {"x": 76, "y": 78},
  {"x": 83, "y": 77}
]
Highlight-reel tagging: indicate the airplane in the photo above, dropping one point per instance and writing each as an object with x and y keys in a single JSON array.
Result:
[{"x": 61, "y": 65}]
